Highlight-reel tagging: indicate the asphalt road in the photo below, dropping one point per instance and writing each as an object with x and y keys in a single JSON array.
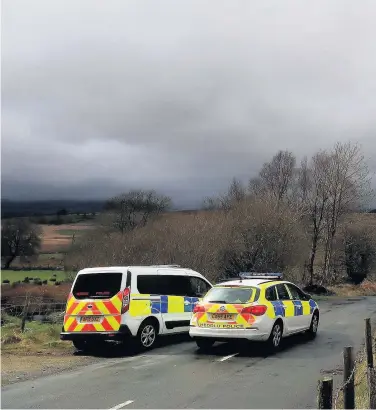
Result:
[{"x": 176, "y": 375}]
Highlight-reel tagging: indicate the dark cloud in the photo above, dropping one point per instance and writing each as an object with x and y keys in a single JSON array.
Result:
[{"x": 99, "y": 97}]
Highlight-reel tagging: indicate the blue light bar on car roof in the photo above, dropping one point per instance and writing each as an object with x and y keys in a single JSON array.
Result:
[{"x": 258, "y": 275}]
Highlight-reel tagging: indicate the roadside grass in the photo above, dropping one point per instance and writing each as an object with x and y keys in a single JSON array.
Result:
[
  {"x": 38, "y": 338},
  {"x": 360, "y": 381},
  {"x": 366, "y": 288},
  {"x": 20, "y": 275}
]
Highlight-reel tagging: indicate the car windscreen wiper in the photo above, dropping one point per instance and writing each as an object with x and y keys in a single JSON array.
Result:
[{"x": 217, "y": 301}]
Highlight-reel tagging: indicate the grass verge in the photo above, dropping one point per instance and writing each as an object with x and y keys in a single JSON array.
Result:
[
  {"x": 36, "y": 352},
  {"x": 366, "y": 288},
  {"x": 360, "y": 380},
  {"x": 37, "y": 337}
]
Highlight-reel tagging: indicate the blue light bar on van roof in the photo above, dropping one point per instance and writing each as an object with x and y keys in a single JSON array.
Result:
[{"x": 259, "y": 275}]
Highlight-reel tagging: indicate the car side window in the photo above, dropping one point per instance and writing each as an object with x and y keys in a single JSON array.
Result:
[
  {"x": 282, "y": 292},
  {"x": 296, "y": 293},
  {"x": 271, "y": 294},
  {"x": 199, "y": 287}
]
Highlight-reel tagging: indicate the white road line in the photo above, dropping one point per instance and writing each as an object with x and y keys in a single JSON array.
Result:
[
  {"x": 121, "y": 405},
  {"x": 227, "y": 357}
]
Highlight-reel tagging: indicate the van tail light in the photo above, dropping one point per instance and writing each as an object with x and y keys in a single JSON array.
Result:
[
  {"x": 199, "y": 309},
  {"x": 257, "y": 310},
  {"x": 126, "y": 300}
]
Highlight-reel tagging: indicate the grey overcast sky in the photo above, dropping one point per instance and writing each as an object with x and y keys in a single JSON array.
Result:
[{"x": 102, "y": 96}]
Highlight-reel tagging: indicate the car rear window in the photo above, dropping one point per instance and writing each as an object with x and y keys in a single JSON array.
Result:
[
  {"x": 97, "y": 285},
  {"x": 228, "y": 295}
]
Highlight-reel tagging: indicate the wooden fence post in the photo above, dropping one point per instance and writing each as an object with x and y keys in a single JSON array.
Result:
[
  {"x": 24, "y": 314},
  {"x": 371, "y": 372},
  {"x": 372, "y": 388},
  {"x": 325, "y": 393},
  {"x": 348, "y": 378},
  {"x": 368, "y": 334}
]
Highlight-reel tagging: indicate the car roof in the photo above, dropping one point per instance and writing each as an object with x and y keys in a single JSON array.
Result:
[{"x": 249, "y": 282}]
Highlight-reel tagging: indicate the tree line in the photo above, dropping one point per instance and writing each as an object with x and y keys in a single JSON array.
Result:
[{"x": 291, "y": 217}]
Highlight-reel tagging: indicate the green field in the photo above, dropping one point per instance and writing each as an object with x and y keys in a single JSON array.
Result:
[{"x": 14, "y": 275}]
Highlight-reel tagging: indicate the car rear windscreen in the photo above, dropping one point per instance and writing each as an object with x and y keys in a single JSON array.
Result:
[
  {"x": 97, "y": 285},
  {"x": 227, "y": 295}
]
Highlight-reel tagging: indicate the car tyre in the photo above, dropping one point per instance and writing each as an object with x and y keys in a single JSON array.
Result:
[
  {"x": 147, "y": 335},
  {"x": 275, "y": 339},
  {"x": 204, "y": 344},
  {"x": 312, "y": 331}
]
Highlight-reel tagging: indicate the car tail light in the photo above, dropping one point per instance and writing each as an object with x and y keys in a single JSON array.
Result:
[
  {"x": 126, "y": 300},
  {"x": 257, "y": 310},
  {"x": 199, "y": 309}
]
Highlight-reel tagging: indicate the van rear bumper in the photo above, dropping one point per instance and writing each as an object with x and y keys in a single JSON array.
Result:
[{"x": 120, "y": 335}]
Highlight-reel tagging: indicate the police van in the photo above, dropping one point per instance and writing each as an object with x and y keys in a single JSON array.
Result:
[{"x": 137, "y": 302}]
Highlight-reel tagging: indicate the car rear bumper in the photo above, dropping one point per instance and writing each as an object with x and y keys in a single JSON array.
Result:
[
  {"x": 120, "y": 335},
  {"x": 224, "y": 334}
]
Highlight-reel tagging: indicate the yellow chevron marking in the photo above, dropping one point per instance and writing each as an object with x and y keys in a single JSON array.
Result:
[
  {"x": 68, "y": 322},
  {"x": 113, "y": 323},
  {"x": 101, "y": 306},
  {"x": 79, "y": 307}
]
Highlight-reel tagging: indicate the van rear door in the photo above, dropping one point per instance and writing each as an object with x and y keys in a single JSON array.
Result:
[{"x": 95, "y": 303}]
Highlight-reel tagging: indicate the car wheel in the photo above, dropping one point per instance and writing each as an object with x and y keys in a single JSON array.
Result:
[
  {"x": 312, "y": 331},
  {"x": 204, "y": 344},
  {"x": 275, "y": 338},
  {"x": 147, "y": 335}
]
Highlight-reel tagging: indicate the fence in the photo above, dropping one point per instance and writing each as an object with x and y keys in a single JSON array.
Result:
[
  {"x": 359, "y": 378},
  {"x": 34, "y": 308}
]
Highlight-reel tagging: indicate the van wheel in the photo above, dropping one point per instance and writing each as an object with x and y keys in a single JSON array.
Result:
[
  {"x": 204, "y": 344},
  {"x": 275, "y": 338},
  {"x": 82, "y": 345},
  {"x": 147, "y": 335}
]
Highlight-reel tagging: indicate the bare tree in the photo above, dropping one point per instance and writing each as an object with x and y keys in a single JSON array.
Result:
[
  {"x": 276, "y": 177},
  {"x": 316, "y": 203},
  {"x": 236, "y": 193},
  {"x": 263, "y": 238},
  {"x": 135, "y": 208},
  {"x": 359, "y": 252},
  {"x": 348, "y": 183},
  {"x": 18, "y": 238}
]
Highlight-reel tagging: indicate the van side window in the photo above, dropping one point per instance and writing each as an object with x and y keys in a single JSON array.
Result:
[
  {"x": 199, "y": 287},
  {"x": 149, "y": 284},
  {"x": 176, "y": 285},
  {"x": 271, "y": 294}
]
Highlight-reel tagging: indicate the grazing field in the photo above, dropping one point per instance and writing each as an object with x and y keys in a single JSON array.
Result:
[
  {"x": 15, "y": 275},
  {"x": 57, "y": 238}
]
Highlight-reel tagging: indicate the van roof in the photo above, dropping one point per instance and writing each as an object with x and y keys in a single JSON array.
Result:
[{"x": 104, "y": 269}]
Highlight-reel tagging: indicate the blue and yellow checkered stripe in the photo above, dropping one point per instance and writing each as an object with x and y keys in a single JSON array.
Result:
[
  {"x": 154, "y": 304},
  {"x": 288, "y": 308}
]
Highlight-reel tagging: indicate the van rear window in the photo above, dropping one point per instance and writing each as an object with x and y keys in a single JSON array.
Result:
[{"x": 97, "y": 285}]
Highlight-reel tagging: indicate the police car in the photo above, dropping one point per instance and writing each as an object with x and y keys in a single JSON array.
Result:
[{"x": 257, "y": 307}]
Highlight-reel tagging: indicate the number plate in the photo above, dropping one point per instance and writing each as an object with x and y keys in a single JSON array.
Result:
[
  {"x": 222, "y": 316},
  {"x": 91, "y": 319}
]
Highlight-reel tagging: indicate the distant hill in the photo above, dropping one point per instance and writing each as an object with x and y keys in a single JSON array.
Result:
[{"x": 13, "y": 209}]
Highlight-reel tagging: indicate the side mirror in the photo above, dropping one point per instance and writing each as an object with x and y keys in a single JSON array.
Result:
[{"x": 308, "y": 296}]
